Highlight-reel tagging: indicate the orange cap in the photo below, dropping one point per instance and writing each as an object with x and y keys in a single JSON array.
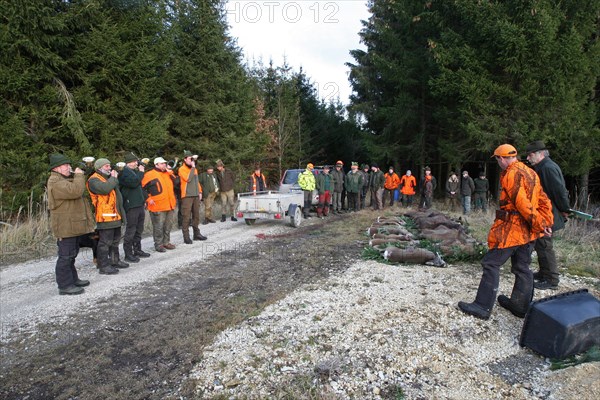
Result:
[
  {"x": 505, "y": 150},
  {"x": 310, "y": 166},
  {"x": 338, "y": 162}
]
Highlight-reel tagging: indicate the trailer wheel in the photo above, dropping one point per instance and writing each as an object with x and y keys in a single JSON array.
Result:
[
  {"x": 250, "y": 221},
  {"x": 296, "y": 218}
]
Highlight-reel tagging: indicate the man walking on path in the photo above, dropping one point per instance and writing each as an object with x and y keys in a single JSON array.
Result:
[
  {"x": 130, "y": 185},
  {"x": 103, "y": 186},
  {"x": 553, "y": 183},
  {"x": 525, "y": 214},
  {"x": 70, "y": 218}
]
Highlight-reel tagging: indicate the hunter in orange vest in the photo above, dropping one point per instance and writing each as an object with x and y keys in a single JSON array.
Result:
[
  {"x": 391, "y": 184},
  {"x": 525, "y": 214},
  {"x": 191, "y": 194},
  {"x": 161, "y": 201},
  {"x": 408, "y": 183},
  {"x": 103, "y": 186}
]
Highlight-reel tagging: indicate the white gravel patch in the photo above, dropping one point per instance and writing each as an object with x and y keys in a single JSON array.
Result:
[
  {"x": 373, "y": 329},
  {"x": 29, "y": 295}
]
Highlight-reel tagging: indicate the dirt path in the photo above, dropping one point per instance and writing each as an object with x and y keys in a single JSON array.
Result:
[{"x": 137, "y": 334}]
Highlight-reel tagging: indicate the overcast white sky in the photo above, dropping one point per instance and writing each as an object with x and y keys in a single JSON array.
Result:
[{"x": 314, "y": 34}]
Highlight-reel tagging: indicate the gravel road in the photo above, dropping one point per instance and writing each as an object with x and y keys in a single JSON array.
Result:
[{"x": 268, "y": 311}]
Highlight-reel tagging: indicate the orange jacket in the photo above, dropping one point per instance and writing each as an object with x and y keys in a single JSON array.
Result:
[
  {"x": 525, "y": 207},
  {"x": 254, "y": 182},
  {"x": 408, "y": 185},
  {"x": 184, "y": 176},
  {"x": 104, "y": 204},
  {"x": 159, "y": 186},
  {"x": 391, "y": 181}
]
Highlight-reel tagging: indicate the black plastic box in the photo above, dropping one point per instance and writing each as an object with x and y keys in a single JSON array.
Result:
[{"x": 562, "y": 325}]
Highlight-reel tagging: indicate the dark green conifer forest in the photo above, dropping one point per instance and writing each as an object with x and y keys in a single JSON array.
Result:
[{"x": 440, "y": 83}]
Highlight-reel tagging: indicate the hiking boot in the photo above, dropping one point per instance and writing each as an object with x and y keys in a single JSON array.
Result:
[
  {"x": 141, "y": 254},
  {"x": 81, "y": 283},
  {"x": 187, "y": 240},
  {"x": 537, "y": 276},
  {"x": 474, "y": 310},
  {"x": 160, "y": 249},
  {"x": 223, "y": 218},
  {"x": 131, "y": 258},
  {"x": 234, "y": 219},
  {"x": 71, "y": 290},
  {"x": 200, "y": 237},
  {"x": 169, "y": 246},
  {"x": 108, "y": 270},
  {"x": 544, "y": 285},
  {"x": 120, "y": 264},
  {"x": 505, "y": 302}
]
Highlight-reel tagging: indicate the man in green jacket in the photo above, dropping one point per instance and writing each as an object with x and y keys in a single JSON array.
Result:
[
  {"x": 554, "y": 186},
  {"x": 70, "y": 218},
  {"x": 354, "y": 183},
  {"x": 324, "y": 188},
  {"x": 307, "y": 182},
  {"x": 103, "y": 187},
  {"x": 130, "y": 185},
  {"x": 210, "y": 190},
  {"x": 377, "y": 183}
]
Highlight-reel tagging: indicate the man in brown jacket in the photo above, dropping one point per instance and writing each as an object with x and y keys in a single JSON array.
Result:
[
  {"x": 226, "y": 181},
  {"x": 70, "y": 218}
]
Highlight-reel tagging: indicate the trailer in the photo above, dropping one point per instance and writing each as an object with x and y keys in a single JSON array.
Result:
[{"x": 270, "y": 205}]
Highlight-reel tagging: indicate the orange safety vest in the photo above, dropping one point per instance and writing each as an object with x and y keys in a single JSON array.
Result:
[
  {"x": 524, "y": 207},
  {"x": 162, "y": 191},
  {"x": 408, "y": 185},
  {"x": 391, "y": 181},
  {"x": 184, "y": 173},
  {"x": 104, "y": 204},
  {"x": 254, "y": 181}
]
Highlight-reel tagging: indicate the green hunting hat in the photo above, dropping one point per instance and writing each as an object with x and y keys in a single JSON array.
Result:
[
  {"x": 187, "y": 153},
  {"x": 56, "y": 160},
  {"x": 209, "y": 167},
  {"x": 101, "y": 162},
  {"x": 129, "y": 157}
]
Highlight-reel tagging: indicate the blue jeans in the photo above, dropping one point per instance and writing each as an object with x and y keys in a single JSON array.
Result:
[{"x": 466, "y": 203}]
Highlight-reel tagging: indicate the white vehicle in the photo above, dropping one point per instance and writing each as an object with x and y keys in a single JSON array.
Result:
[{"x": 271, "y": 205}]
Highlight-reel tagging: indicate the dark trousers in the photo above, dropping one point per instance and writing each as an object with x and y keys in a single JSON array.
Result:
[
  {"x": 480, "y": 201},
  {"x": 134, "y": 228},
  {"x": 547, "y": 260},
  {"x": 363, "y": 197},
  {"x": 66, "y": 274},
  {"x": 307, "y": 201},
  {"x": 108, "y": 244},
  {"x": 389, "y": 194},
  {"x": 190, "y": 209},
  {"x": 353, "y": 202},
  {"x": 520, "y": 258},
  {"x": 407, "y": 199}
]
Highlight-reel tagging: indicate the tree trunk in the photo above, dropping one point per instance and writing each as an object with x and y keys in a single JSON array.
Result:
[{"x": 582, "y": 192}]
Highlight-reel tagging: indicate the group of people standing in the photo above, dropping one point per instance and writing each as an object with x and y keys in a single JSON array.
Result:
[
  {"x": 335, "y": 186},
  {"x": 120, "y": 199},
  {"x": 467, "y": 190}
]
